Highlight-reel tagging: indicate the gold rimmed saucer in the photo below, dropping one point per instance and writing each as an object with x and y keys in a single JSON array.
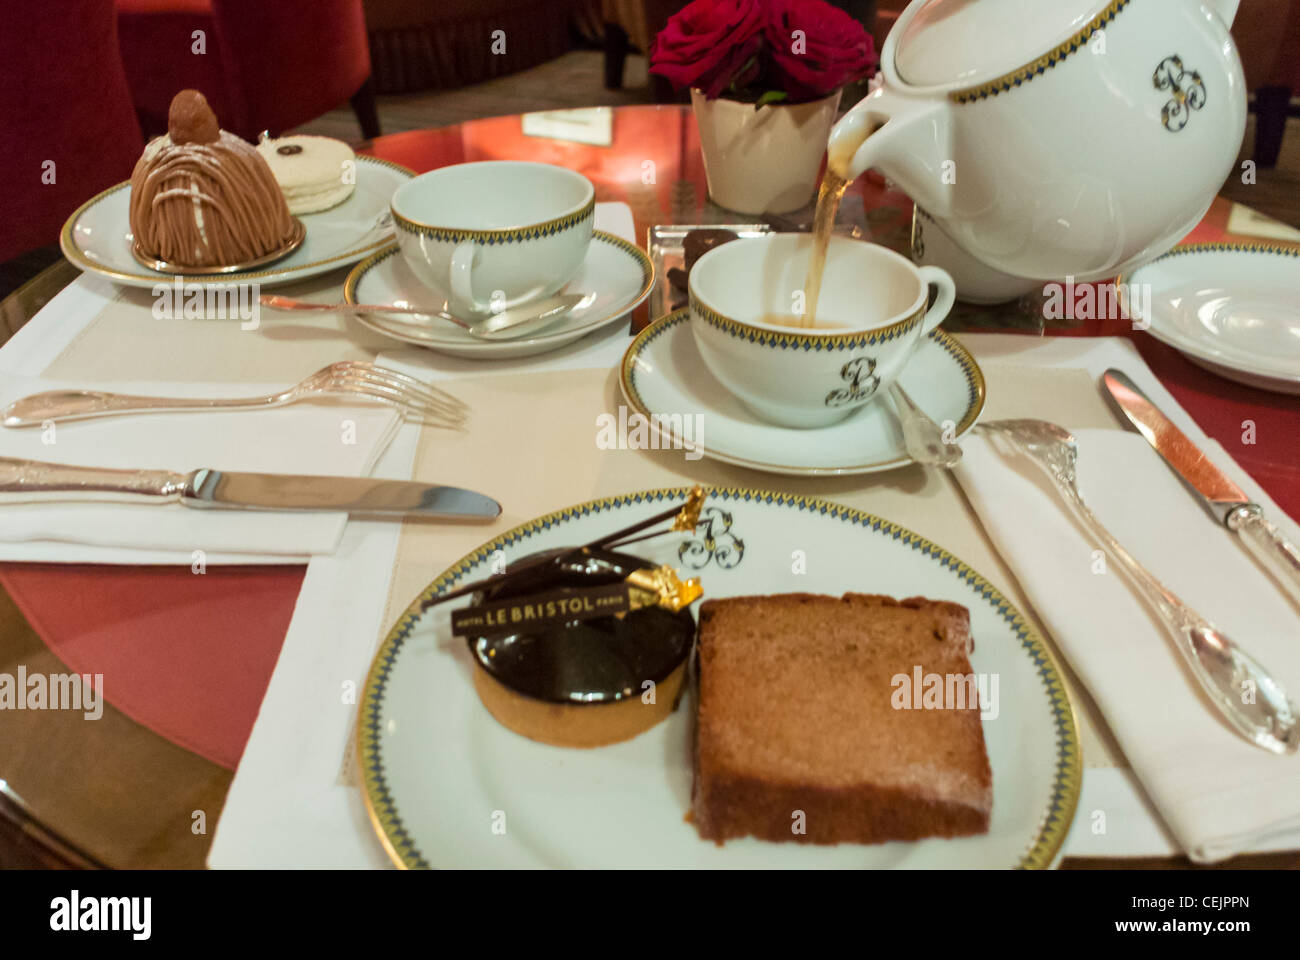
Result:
[
  {"x": 97, "y": 236},
  {"x": 164, "y": 266}
]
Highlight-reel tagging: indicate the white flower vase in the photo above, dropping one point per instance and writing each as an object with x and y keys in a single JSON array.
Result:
[{"x": 765, "y": 159}]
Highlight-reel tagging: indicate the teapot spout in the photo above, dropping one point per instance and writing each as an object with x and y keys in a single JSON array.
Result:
[{"x": 906, "y": 137}]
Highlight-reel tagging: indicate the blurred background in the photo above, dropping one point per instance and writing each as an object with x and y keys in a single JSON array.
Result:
[{"x": 353, "y": 69}]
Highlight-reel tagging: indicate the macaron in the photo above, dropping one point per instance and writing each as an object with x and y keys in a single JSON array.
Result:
[{"x": 314, "y": 173}]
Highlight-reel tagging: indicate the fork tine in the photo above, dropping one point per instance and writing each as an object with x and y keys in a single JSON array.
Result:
[
  {"x": 409, "y": 405},
  {"x": 372, "y": 369},
  {"x": 413, "y": 387},
  {"x": 410, "y": 394},
  {"x": 407, "y": 409},
  {"x": 414, "y": 399},
  {"x": 420, "y": 385}
]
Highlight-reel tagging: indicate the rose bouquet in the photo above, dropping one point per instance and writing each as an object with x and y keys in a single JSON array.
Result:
[{"x": 762, "y": 51}]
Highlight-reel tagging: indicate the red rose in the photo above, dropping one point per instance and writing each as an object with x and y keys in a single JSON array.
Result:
[
  {"x": 815, "y": 48},
  {"x": 710, "y": 44}
]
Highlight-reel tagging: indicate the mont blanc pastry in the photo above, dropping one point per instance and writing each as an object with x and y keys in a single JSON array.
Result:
[
  {"x": 201, "y": 197},
  {"x": 315, "y": 173}
]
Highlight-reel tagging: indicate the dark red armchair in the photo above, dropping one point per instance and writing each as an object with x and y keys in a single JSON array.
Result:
[
  {"x": 69, "y": 129},
  {"x": 262, "y": 64}
]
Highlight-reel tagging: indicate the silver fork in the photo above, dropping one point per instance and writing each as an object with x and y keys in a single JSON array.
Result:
[
  {"x": 1224, "y": 671},
  {"x": 415, "y": 401}
]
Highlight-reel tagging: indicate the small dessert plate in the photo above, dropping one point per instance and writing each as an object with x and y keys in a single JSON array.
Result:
[
  {"x": 446, "y": 785},
  {"x": 97, "y": 237},
  {"x": 1231, "y": 308},
  {"x": 665, "y": 380},
  {"x": 615, "y": 277}
]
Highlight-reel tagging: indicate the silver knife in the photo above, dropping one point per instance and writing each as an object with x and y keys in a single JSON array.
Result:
[
  {"x": 23, "y": 481},
  {"x": 1224, "y": 499}
]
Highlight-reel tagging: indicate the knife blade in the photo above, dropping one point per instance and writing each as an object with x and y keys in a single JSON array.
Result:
[
  {"x": 1223, "y": 498},
  {"x": 24, "y": 481}
]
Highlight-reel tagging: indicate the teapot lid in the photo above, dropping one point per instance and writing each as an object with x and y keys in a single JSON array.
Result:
[{"x": 973, "y": 41}]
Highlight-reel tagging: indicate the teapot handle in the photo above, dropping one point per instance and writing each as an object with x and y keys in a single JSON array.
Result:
[{"x": 909, "y": 141}]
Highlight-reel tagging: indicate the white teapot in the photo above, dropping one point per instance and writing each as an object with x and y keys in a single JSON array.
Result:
[{"x": 1055, "y": 138}]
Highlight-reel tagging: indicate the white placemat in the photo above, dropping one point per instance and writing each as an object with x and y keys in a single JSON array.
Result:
[
  {"x": 337, "y": 626},
  {"x": 334, "y": 440}
]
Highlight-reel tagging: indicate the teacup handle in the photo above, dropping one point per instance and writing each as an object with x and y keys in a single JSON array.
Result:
[
  {"x": 463, "y": 304},
  {"x": 945, "y": 296}
]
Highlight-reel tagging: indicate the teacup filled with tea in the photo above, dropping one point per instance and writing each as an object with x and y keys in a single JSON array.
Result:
[{"x": 750, "y": 317}]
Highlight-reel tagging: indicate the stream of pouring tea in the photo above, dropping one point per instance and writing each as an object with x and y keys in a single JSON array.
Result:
[
  {"x": 828, "y": 205},
  {"x": 834, "y": 182}
]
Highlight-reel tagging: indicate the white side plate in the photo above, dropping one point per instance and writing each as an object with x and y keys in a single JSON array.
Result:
[{"x": 439, "y": 772}]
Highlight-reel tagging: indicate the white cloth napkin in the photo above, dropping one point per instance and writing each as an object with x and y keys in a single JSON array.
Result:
[
  {"x": 335, "y": 440},
  {"x": 1218, "y": 794}
]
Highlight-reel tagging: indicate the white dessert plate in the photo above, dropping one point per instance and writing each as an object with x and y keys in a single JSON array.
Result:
[
  {"x": 446, "y": 785},
  {"x": 1231, "y": 308},
  {"x": 97, "y": 237},
  {"x": 614, "y": 278},
  {"x": 664, "y": 379}
]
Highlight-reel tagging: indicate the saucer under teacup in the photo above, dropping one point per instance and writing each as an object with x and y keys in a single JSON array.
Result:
[
  {"x": 665, "y": 380},
  {"x": 615, "y": 277}
]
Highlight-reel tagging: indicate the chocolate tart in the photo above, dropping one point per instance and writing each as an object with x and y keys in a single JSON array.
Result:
[{"x": 582, "y": 683}]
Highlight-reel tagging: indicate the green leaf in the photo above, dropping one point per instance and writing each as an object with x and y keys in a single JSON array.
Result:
[
  {"x": 740, "y": 72},
  {"x": 772, "y": 96}
]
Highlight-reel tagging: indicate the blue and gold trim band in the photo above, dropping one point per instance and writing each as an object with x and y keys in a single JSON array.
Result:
[
  {"x": 536, "y": 231},
  {"x": 806, "y": 341},
  {"x": 1274, "y": 248},
  {"x": 1044, "y": 63}
]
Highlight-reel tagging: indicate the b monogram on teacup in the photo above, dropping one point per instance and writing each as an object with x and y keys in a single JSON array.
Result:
[{"x": 863, "y": 382}]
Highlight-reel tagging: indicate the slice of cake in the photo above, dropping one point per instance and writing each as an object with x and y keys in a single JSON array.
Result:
[{"x": 806, "y": 730}]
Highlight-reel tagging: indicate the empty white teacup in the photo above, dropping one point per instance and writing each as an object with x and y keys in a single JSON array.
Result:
[
  {"x": 495, "y": 234},
  {"x": 871, "y": 314}
]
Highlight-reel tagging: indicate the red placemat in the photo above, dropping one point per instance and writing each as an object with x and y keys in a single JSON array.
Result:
[{"x": 187, "y": 655}]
